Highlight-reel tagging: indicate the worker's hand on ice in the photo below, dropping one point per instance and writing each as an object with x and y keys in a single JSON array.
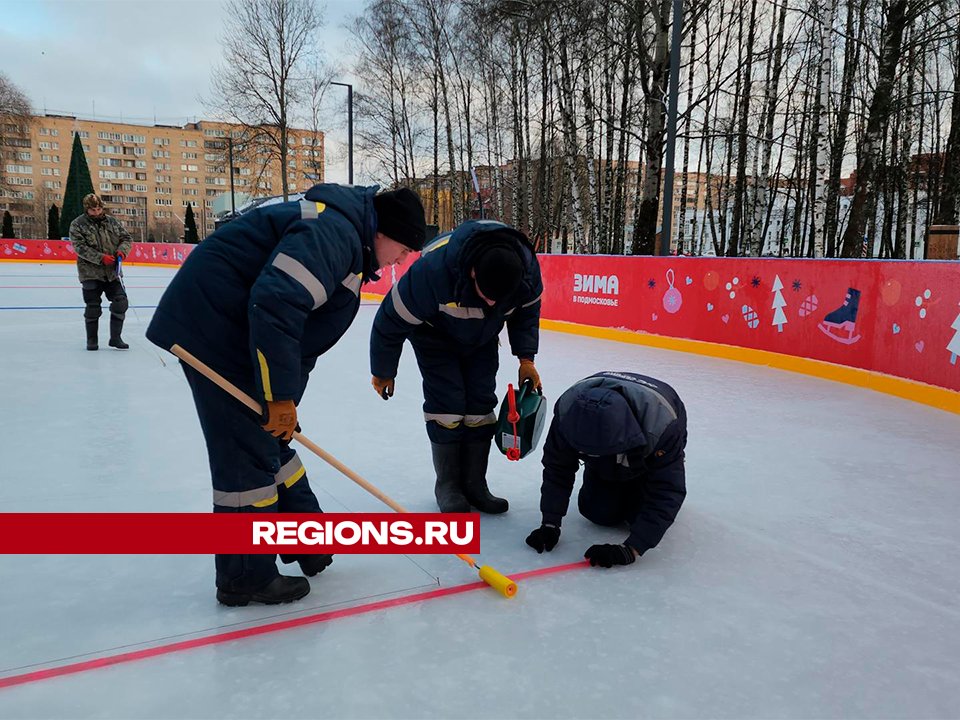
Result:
[
  {"x": 544, "y": 537},
  {"x": 610, "y": 555},
  {"x": 107, "y": 259},
  {"x": 528, "y": 371},
  {"x": 281, "y": 418},
  {"x": 383, "y": 386}
]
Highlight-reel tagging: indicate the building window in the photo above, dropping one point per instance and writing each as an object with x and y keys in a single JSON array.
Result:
[
  {"x": 105, "y": 186},
  {"x": 43, "y": 145},
  {"x": 82, "y": 133},
  {"x": 24, "y": 169}
]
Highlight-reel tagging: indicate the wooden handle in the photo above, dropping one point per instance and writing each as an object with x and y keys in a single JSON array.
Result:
[
  {"x": 215, "y": 377},
  {"x": 229, "y": 387}
]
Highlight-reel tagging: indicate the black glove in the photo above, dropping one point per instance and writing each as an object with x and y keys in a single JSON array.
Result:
[
  {"x": 544, "y": 537},
  {"x": 610, "y": 555}
]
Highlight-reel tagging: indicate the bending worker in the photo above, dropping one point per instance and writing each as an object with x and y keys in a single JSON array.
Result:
[
  {"x": 452, "y": 303},
  {"x": 259, "y": 301}
]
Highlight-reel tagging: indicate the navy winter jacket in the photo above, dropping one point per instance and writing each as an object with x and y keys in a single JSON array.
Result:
[
  {"x": 644, "y": 446},
  {"x": 264, "y": 296},
  {"x": 438, "y": 290}
]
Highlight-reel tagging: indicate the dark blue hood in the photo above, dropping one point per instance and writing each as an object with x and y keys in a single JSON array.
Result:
[
  {"x": 466, "y": 240},
  {"x": 599, "y": 421},
  {"x": 357, "y": 207}
]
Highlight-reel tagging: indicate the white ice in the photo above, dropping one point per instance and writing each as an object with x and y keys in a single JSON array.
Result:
[{"x": 812, "y": 572}]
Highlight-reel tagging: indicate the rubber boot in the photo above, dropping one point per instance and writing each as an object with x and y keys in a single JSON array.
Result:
[
  {"x": 116, "y": 325},
  {"x": 446, "y": 461},
  {"x": 314, "y": 564},
  {"x": 281, "y": 589},
  {"x": 473, "y": 471},
  {"x": 93, "y": 342}
]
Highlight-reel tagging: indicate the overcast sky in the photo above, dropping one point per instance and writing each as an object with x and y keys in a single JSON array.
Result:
[{"x": 138, "y": 59}]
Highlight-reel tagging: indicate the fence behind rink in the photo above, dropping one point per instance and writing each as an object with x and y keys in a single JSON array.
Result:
[{"x": 893, "y": 317}]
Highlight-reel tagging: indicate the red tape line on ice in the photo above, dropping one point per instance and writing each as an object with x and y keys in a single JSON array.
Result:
[{"x": 183, "y": 645}]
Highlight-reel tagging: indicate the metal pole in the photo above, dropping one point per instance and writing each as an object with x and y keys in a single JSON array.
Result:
[
  {"x": 349, "y": 126},
  {"x": 666, "y": 229},
  {"x": 233, "y": 207}
]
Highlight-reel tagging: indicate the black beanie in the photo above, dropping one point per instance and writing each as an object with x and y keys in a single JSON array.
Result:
[
  {"x": 400, "y": 217},
  {"x": 498, "y": 270}
]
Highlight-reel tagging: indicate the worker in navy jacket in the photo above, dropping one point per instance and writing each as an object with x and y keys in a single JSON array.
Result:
[
  {"x": 452, "y": 303},
  {"x": 259, "y": 301},
  {"x": 629, "y": 431}
]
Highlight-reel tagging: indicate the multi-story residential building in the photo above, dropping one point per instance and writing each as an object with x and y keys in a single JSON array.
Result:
[{"x": 147, "y": 175}]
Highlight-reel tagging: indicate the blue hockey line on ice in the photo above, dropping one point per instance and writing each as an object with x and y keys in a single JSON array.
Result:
[{"x": 67, "y": 307}]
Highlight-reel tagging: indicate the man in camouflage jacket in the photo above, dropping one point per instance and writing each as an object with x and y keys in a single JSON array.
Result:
[{"x": 99, "y": 240}]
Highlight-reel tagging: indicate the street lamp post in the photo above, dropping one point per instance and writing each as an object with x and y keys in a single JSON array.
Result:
[
  {"x": 665, "y": 227},
  {"x": 233, "y": 207},
  {"x": 349, "y": 124}
]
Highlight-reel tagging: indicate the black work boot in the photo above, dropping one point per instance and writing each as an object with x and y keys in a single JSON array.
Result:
[
  {"x": 93, "y": 342},
  {"x": 473, "y": 473},
  {"x": 281, "y": 589},
  {"x": 446, "y": 461},
  {"x": 314, "y": 564},
  {"x": 116, "y": 325}
]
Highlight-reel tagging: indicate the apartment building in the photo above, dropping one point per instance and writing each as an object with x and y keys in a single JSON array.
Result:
[{"x": 147, "y": 175}]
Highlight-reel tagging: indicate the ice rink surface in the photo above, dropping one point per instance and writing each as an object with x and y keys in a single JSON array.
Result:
[{"x": 812, "y": 572}]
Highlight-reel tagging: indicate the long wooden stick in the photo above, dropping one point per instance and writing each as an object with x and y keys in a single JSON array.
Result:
[{"x": 229, "y": 387}]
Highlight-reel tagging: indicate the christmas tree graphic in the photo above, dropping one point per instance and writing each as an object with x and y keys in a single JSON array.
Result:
[
  {"x": 954, "y": 345},
  {"x": 779, "y": 318}
]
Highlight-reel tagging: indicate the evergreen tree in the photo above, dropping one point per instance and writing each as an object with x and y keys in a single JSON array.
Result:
[
  {"x": 190, "y": 224},
  {"x": 7, "y": 226},
  {"x": 78, "y": 186},
  {"x": 53, "y": 223}
]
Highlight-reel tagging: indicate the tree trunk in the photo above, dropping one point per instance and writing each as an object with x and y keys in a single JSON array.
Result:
[
  {"x": 656, "y": 115},
  {"x": 740, "y": 189},
  {"x": 821, "y": 174},
  {"x": 851, "y": 59},
  {"x": 879, "y": 112},
  {"x": 950, "y": 193}
]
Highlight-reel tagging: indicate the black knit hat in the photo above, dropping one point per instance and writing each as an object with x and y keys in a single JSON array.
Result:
[
  {"x": 498, "y": 270},
  {"x": 400, "y": 217}
]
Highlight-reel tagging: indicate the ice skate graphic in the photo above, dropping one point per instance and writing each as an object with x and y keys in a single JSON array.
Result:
[{"x": 843, "y": 319}]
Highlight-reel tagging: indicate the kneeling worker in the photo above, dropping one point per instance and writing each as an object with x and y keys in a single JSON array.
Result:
[{"x": 630, "y": 432}]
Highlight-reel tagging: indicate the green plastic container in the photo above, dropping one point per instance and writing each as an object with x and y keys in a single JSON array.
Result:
[{"x": 532, "y": 409}]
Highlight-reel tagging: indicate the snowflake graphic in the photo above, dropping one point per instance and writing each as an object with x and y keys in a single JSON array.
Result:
[
  {"x": 755, "y": 282},
  {"x": 651, "y": 283},
  {"x": 797, "y": 285},
  {"x": 672, "y": 300}
]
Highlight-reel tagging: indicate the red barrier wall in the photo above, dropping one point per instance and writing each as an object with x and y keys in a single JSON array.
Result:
[
  {"x": 166, "y": 254},
  {"x": 907, "y": 322}
]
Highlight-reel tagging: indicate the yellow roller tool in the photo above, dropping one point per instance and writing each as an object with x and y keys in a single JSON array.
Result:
[
  {"x": 491, "y": 577},
  {"x": 501, "y": 583}
]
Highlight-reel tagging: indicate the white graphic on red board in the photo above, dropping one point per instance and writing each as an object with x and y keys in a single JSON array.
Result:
[
  {"x": 779, "y": 318},
  {"x": 672, "y": 299}
]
